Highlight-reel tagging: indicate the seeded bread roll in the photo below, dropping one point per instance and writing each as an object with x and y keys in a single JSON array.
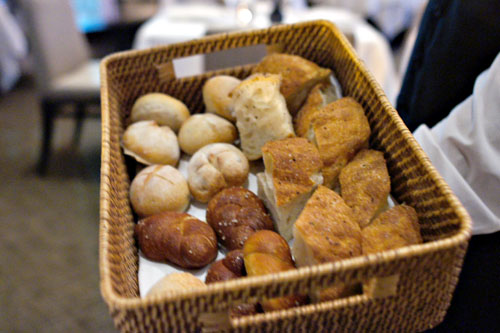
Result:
[
  {"x": 215, "y": 167},
  {"x": 216, "y": 95},
  {"x": 178, "y": 238},
  {"x": 235, "y": 214},
  {"x": 261, "y": 113},
  {"x": 200, "y": 130},
  {"x": 159, "y": 188},
  {"x": 150, "y": 144},
  {"x": 165, "y": 110}
]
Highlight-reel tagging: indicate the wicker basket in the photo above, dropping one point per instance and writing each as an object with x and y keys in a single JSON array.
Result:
[{"x": 413, "y": 285}]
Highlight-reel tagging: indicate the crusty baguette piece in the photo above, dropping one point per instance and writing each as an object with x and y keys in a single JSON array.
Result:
[
  {"x": 267, "y": 252},
  {"x": 235, "y": 213},
  {"x": 394, "y": 228},
  {"x": 321, "y": 95},
  {"x": 292, "y": 173},
  {"x": 299, "y": 76},
  {"x": 175, "y": 282},
  {"x": 365, "y": 185},
  {"x": 339, "y": 130},
  {"x": 178, "y": 238},
  {"x": 326, "y": 231},
  {"x": 261, "y": 113}
]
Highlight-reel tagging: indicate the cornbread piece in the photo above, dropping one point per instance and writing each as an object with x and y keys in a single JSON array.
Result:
[
  {"x": 321, "y": 95},
  {"x": 339, "y": 130},
  {"x": 365, "y": 185},
  {"x": 326, "y": 231},
  {"x": 261, "y": 113},
  {"x": 299, "y": 76},
  {"x": 292, "y": 173},
  {"x": 392, "y": 229}
]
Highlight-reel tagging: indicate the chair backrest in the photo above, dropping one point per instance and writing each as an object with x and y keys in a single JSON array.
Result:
[{"x": 58, "y": 46}]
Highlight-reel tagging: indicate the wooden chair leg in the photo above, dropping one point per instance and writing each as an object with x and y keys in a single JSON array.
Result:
[
  {"x": 48, "y": 114},
  {"x": 79, "y": 116}
]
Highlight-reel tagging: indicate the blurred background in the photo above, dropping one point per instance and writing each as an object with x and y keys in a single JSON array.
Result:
[{"x": 50, "y": 125}]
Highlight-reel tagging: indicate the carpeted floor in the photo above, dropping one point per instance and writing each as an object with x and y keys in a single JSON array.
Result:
[{"x": 49, "y": 275}]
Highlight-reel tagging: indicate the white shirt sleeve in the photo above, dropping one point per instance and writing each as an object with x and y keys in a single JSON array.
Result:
[{"x": 465, "y": 149}]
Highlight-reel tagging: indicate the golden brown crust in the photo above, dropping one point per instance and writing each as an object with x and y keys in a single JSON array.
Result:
[
  {"x": 175, "y": 282},
  {"x": 340, "y": 129},
  {"x": 298, "y": 76},
  {"x": 365, "y": 185},
  {"x": 178, "y": 238},
  {"x": 236, "y": 213},
  {"x": 292, "y": 162},
  {"x": 328, "y": 228},
  {"x": 313, "y": 103},
  {"x": 392, "y": 229},
  {"x": 267, "y": 252},
  {"x": 231, "y": 267}
]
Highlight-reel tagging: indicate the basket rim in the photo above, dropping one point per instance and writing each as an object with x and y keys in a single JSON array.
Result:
[{"x": 116, "y": 301}]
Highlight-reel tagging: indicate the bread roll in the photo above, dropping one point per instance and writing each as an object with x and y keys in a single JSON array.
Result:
[
  {"x": 175, "y": 282},
  {"x": 261, "y": 113},
  {"x": 150, "y": 144},
  {"x": 215, "y": 167},
  {"x": 365, "y": 185},
  {"x": 235, "y": 213},
  {"x": 163, "y": 109},
  {"x": 231, "y": 267},
  {"x": 200, "y": 130},
  {"x": 326, "y": 231},
  {"x": 159, "y": 188},
  {"x": 292, "y": 173},
  {"x": 321, "y": 95},
  {"x": 299, "y": 76},
  {"x": 339, "y": 130},
  {"x": 392, "y": 229},
  {"x": 216, "y": 95},
  {"x": 178, "y": 238},
  {"x": 267, "y": 252}
]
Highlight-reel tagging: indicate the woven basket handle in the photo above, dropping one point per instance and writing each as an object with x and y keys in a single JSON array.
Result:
[
  {"x": 373, "y": 288},
  {"x": 166, "y": 70}
]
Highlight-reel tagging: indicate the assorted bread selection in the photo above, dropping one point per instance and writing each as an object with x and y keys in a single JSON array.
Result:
[{"x": 321, "y": 185}]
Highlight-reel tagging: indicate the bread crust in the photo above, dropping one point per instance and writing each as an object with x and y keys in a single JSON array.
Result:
[
  {"x": 299, "y": 76},
  {"x": 175, "y": 282},
  {"x": 236, "y": 213},
  {"x": 178, "y": 238},
  {"x": 293, "y": 164},
  {"x": 215, "y": 167},
  {"x": 394, "y": 228},
  {"x": 216, "y": 95},
  {"x": 339, "y": 130},
  {"x": 365, "y": 185}
]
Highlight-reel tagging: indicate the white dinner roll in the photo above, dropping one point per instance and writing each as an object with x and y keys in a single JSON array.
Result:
[
  {"x": 214, "y": 168},
  {"x": 159, "y": 188},
  {"x": 175, "y": 282},
  {"x": 150, "y": 144},
  {"x": 202, "y": 129},
  {"x": 162, "y": 108},
  {"x": 216, "y": 95}
]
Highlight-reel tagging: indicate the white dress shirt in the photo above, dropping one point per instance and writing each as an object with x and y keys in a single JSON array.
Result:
[{"x": 465, "y": 149}]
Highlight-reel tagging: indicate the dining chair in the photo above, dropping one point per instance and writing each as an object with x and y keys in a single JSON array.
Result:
[{"x": 64, "y": 72}]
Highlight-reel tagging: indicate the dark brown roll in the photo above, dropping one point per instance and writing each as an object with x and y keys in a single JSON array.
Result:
[
  {"x": 178, "y": 238},
  {"x": 236, "y": 213}
]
